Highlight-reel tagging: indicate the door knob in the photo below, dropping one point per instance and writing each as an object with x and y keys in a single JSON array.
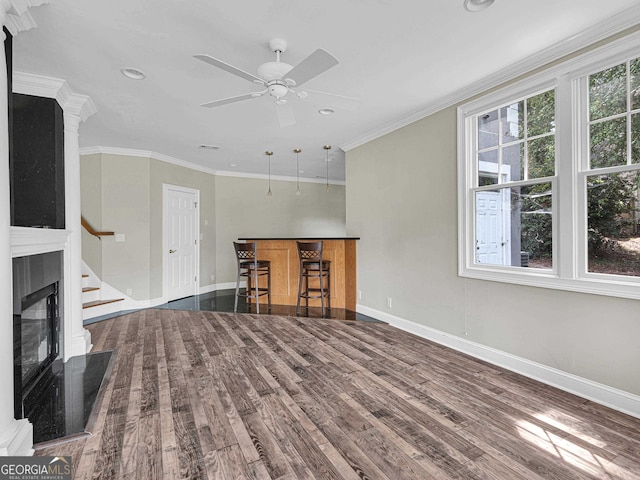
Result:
[{"x": 172, "y": 251}]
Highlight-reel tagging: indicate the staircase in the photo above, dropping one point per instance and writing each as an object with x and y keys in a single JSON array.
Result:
[{"x": 93, "y": 305}]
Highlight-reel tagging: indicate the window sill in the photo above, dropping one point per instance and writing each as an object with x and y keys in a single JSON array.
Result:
[{"x": 613, "y": 286}]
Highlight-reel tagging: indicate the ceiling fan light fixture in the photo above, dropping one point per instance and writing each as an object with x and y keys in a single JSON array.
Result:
[
  {"x": 477, "y": 5},
  {"x": 302, "y": 95},
  {"x": 278, "y": 90}
]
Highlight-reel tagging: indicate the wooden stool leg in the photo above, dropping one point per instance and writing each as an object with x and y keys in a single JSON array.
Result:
[
  {"x": 269, "y": 287},
  {"x": 329, "y": 287},
  {"x": 235, "y": 304},
  {"x": 321, "y": 280},
  {"x": 299, "y": 290}
]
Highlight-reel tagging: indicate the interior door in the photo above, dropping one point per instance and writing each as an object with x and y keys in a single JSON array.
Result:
[
  {"x": 181, "y": 246},
  {"x": 490, "y": 235}
]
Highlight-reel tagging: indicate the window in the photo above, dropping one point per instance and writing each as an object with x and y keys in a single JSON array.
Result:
[
  {"x": 549, "y": 177},
  {"x": 515, "y": 149},
  {"x": 612, "y": 173}
]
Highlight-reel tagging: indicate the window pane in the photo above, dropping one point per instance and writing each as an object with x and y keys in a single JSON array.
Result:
[
  {"x": 488, "y": 167},
  {"x": 609, "y": 143},
  {"x": 541, "y": 114},
  {"x": 513, "y": 162},
  {"x": 488, "y": 130},
  {"x": 613, "y": 239},
  {"x": 542, "y": 157},
  {"x": 635, "y": 138},
  {"x": 635, "y": 84},
  {"x": 608, "y": 92},
  {"x": 513, "y": 226},
  {"x": 512, "y": 118},
  {"x": 534, "y": 206}
]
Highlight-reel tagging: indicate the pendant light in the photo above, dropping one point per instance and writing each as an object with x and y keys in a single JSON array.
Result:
[
  {"x": 297, "y": 152},
  {"x": 269, "y": 153},
  {"x": 327, "y": 148}
]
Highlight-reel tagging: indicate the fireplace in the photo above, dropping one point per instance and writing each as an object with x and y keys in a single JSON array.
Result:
[{"x": 37, "y": 309}]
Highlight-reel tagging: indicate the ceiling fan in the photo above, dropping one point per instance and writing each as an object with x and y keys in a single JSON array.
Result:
[{"x": 278, "y": 78}]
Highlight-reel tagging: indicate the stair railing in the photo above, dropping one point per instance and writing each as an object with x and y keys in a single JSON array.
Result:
[{"x": 91, "y": 230}]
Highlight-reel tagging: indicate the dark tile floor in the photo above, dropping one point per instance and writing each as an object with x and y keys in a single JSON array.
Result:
[{"x": 222, "y": 301}]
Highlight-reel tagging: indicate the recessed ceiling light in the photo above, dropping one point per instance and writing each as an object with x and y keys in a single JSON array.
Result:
[
  {"x": 477, "y": 5},
  {"x": 326, "y": 111},
  {"x": 232, "y": 165},
  {"x": 133, "y": 73},
  {"x": 204, "y": 146}
]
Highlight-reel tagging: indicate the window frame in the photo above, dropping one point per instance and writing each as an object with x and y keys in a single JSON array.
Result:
[{"x": 569, "y": 201}]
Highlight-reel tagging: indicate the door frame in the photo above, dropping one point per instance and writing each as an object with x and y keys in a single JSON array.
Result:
[{"x": 166, "y": 187}]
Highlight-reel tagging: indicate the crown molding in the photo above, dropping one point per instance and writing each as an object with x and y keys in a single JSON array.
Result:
[
  {"x": 56, "y": 88},
  {"x": 18, "y": 18},
  {"x": 127, "y": 152},
  {"x": 80, "y": 105},
  {"x": 130, "y": 152},
  {"x": 41, "y": 86},
  {"x": 627, "y": 19}
]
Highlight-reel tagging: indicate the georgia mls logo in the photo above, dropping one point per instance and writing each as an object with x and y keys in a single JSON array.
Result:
[{"x": 35, "y": 468}]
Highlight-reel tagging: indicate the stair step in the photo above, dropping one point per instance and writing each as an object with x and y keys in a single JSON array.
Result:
[
  {"x": 90, "y": 289},
  {"x": 96, "y": 303}
]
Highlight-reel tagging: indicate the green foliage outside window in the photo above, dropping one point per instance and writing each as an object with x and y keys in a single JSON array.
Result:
[{"x": 612, "y": 198}]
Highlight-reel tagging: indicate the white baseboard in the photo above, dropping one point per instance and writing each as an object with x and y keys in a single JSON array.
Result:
[
  {"x": 608, "y": 396},
  {"x": 214, "y": 287},
  {"x": 81, "y": 345}
]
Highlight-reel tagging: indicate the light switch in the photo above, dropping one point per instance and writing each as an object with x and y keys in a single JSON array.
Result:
[{"x": 119, "y": 237}]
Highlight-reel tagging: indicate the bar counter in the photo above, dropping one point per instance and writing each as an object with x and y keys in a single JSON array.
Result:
[{"x": 285, "y": 268}]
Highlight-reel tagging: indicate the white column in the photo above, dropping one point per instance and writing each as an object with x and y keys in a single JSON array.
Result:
[
  {"x": 16, "y": 436},
  {"x": 78, "y": 339}
]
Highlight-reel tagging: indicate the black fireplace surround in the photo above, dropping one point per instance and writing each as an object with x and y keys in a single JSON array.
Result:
[{"x": 37, "y": 309}]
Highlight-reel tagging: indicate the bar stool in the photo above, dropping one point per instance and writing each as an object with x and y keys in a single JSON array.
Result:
[
  {"x": 313, "y": 266},
  {"x": 250, "y": 267}
]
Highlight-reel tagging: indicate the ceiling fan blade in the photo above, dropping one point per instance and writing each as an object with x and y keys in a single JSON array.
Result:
[
  {"x": 285, "y": 115},
  {"x": 239, "y": 98},
  {"x": 312, "y": 66},
  {"x": 331, "y": 99},
  {"x": 229, "y": 68}
]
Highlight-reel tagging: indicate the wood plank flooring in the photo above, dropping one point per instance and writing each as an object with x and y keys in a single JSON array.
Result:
[{"x": 207, "y": 395}]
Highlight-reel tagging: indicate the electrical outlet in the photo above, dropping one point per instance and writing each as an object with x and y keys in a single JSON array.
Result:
[
  {"x": 359, "y": 294},
  {"x": 129, "y": 291},
  {"x": 213, "y": 277},
  {"x": 389, "y": 302}
]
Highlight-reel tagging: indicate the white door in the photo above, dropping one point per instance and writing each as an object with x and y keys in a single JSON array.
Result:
[
  {"x": 490, "y": 228},
  {"x": 181, "y": 246}
]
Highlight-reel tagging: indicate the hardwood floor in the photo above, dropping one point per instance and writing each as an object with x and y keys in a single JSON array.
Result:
[{"x": 199, "y": 395}]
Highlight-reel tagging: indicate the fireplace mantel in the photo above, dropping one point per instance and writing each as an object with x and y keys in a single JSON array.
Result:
[{"x": 33, "y": 241}]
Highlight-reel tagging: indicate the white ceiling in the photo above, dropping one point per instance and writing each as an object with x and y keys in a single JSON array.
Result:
[{"x": 400, "y": 58}]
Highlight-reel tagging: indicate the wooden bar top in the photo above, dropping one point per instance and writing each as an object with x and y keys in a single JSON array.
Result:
[
  {"x": 297, "y": 238},
  {"x": 285, "y": 268}
]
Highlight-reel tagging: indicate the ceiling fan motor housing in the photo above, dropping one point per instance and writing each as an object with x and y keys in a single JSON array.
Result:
[{"x": 273, "y": 70}]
